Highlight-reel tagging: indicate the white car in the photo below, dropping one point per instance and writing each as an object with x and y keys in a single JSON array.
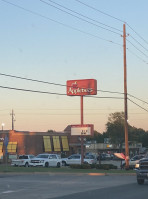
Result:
[
  {"x": 46, "y": 160},
  {"x": 76, "y": 159},
  {"x": 133, "y": 161},
  {"x": 23, "y": 160}
]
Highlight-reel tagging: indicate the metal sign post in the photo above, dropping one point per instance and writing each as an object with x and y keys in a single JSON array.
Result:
[{"x": 82, "y": 140}]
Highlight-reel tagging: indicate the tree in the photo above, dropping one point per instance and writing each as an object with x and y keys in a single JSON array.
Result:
[
  {"x": 115, "y": 128},
  {"x": 98, "y": 137},
  {"x": 115, "y": 131}
]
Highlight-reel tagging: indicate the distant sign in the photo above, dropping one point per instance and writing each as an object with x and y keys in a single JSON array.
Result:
[
  {"x": 86, "y": 129},
  {"x": 6, "y": 140},
  {"x": 82, "y": 87}
]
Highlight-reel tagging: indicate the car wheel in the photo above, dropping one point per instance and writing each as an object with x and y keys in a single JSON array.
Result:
[
  {"x": 140, "y": 181},
  {"x": 58, "y": 165},
  {"x": 46, "y": 164},
  {"x": 26, "y": 164},
  {"x": 64, "y": 163}
]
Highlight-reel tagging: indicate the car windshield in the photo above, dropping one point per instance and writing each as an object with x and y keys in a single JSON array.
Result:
[
  {"x": 89, "y": 157},
  {"x": 23, "y": 157},
  {"x": 42, "y": 156}
]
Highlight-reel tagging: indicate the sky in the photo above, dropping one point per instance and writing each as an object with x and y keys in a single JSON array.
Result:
[{"x": 60, "y": 40}]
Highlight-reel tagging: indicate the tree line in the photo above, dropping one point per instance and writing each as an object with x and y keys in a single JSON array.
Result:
[{"x": 115, "y": 132}]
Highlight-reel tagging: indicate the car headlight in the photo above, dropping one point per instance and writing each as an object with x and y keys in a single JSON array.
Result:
[
  {"x": 41, "y": 161},
  {"x": 137, "y": 166}
]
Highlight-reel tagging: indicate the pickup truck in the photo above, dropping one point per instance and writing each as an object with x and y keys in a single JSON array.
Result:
[
  {"x": 76, "y": 159},
  {"x": 142, "y": 170},
  {"x": 23, "y": 160}
]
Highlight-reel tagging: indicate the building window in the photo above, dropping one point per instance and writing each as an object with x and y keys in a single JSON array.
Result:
[
  {"x": 65, "y": 143},
  {"x": 1, "y": 147},
  {"x": 47, "y": 143},
  {"x": 56, "y": 143},
  {"x": 11, "y": 148}
]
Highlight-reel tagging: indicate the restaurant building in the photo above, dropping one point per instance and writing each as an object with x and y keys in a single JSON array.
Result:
[{"x": 14, "y": 143}]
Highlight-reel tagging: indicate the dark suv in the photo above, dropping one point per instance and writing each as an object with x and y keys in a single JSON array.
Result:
[{"x": 142, "y": 170}]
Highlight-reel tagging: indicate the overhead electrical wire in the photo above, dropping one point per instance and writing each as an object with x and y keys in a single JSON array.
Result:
[
  {"x": 137, "y": 56},
  {"x": 100, "y": 11},
  {"x": 84, "y": 16},
  {"x": 111, "y": 16},
  {"x": 51, "y": 93},
  {"x": 60, "y": 23},
  {"x": 137, "y": 33},
  {"x": 64, "y": 85},
  {"x": 118, "y": 20},
  {"x": 137, "y": 98},
  {"x": 138, "y": 105},
  {"x": 137, "y": 48},
  {"x": 138, "y": 42},
  {"x": 50, "y": 83},
  {"x": 79, "y": 18}
]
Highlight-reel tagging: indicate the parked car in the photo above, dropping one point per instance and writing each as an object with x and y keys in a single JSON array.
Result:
[
  {"x": 133, "y": 161},
  {"x": 104, "y": 156},
  {"x": 46, "y": 160},
  {"x": 23, "y": 160},
  {"x": 76, "y": 159}
]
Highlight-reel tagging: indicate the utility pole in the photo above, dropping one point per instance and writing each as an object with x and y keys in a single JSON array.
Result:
[
  {"x": 125, "y": 100},
  {"x": 13, "y": 120}
]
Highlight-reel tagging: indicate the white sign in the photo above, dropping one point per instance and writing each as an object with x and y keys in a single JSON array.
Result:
[{"x": 81, "y": 131}]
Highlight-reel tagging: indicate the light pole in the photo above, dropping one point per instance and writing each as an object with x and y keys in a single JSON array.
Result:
[{"x": 3, "y": 126}]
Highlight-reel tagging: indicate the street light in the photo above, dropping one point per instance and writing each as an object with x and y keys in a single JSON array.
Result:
[{"x": 3, "y": 124}]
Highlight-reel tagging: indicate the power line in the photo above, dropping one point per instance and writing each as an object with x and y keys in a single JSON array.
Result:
[
  {"x": 137, "y": 105},
  {"x": 51, "y": 83},
  {"x": 137, "y": 33},
  {"x": 100, "y": 11},
  {"x": 33, "y": 80},
  {"x": 51, "y": 93},
  {"x": 137, "y": 48},
  {"x": 138, "y": 98},
  {"x": 137, "y": 56},
  {"x": 111, "y": 16},
  {"x": 138, "y": 42},
  {"x": 64, "y": 85},
  {"x": 84, "y": 16},
  {"x": 60, "y": 23},
  {"x": 79, "y": 17},
  {"x": 33, "y": 91}
]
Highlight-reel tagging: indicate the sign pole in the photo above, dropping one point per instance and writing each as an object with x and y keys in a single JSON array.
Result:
[{"x": 82, "y": 139}]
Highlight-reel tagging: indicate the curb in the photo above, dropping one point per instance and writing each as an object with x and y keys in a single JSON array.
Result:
[{"x": 62, "y": 173}]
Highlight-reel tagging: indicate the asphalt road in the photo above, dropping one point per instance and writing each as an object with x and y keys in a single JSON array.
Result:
[{"x": 61, "y": 186}]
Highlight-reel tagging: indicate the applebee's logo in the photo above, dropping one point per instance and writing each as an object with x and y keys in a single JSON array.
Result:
[{"x": 75, "y": 90}]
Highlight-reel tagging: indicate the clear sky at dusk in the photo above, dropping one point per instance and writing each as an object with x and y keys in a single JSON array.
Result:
[{"x": 59, "y": 40}]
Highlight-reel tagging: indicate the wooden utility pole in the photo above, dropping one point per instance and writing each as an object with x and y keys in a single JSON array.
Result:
[
  {"x": 13, "y": 120},
  {"x": 125, "y": 100}
]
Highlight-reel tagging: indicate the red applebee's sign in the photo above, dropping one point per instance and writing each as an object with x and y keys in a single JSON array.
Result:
[{"x": 82, "y": 87}]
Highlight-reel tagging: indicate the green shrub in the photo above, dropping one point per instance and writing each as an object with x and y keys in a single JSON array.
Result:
[
  {"x": 93, "y": 166},
  {"x": 106, "y": 166},
  {"x": 80, "y": 166}
]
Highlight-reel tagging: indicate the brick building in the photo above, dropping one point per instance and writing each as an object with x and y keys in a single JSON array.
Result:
[{"x": 14, "y": 143}]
